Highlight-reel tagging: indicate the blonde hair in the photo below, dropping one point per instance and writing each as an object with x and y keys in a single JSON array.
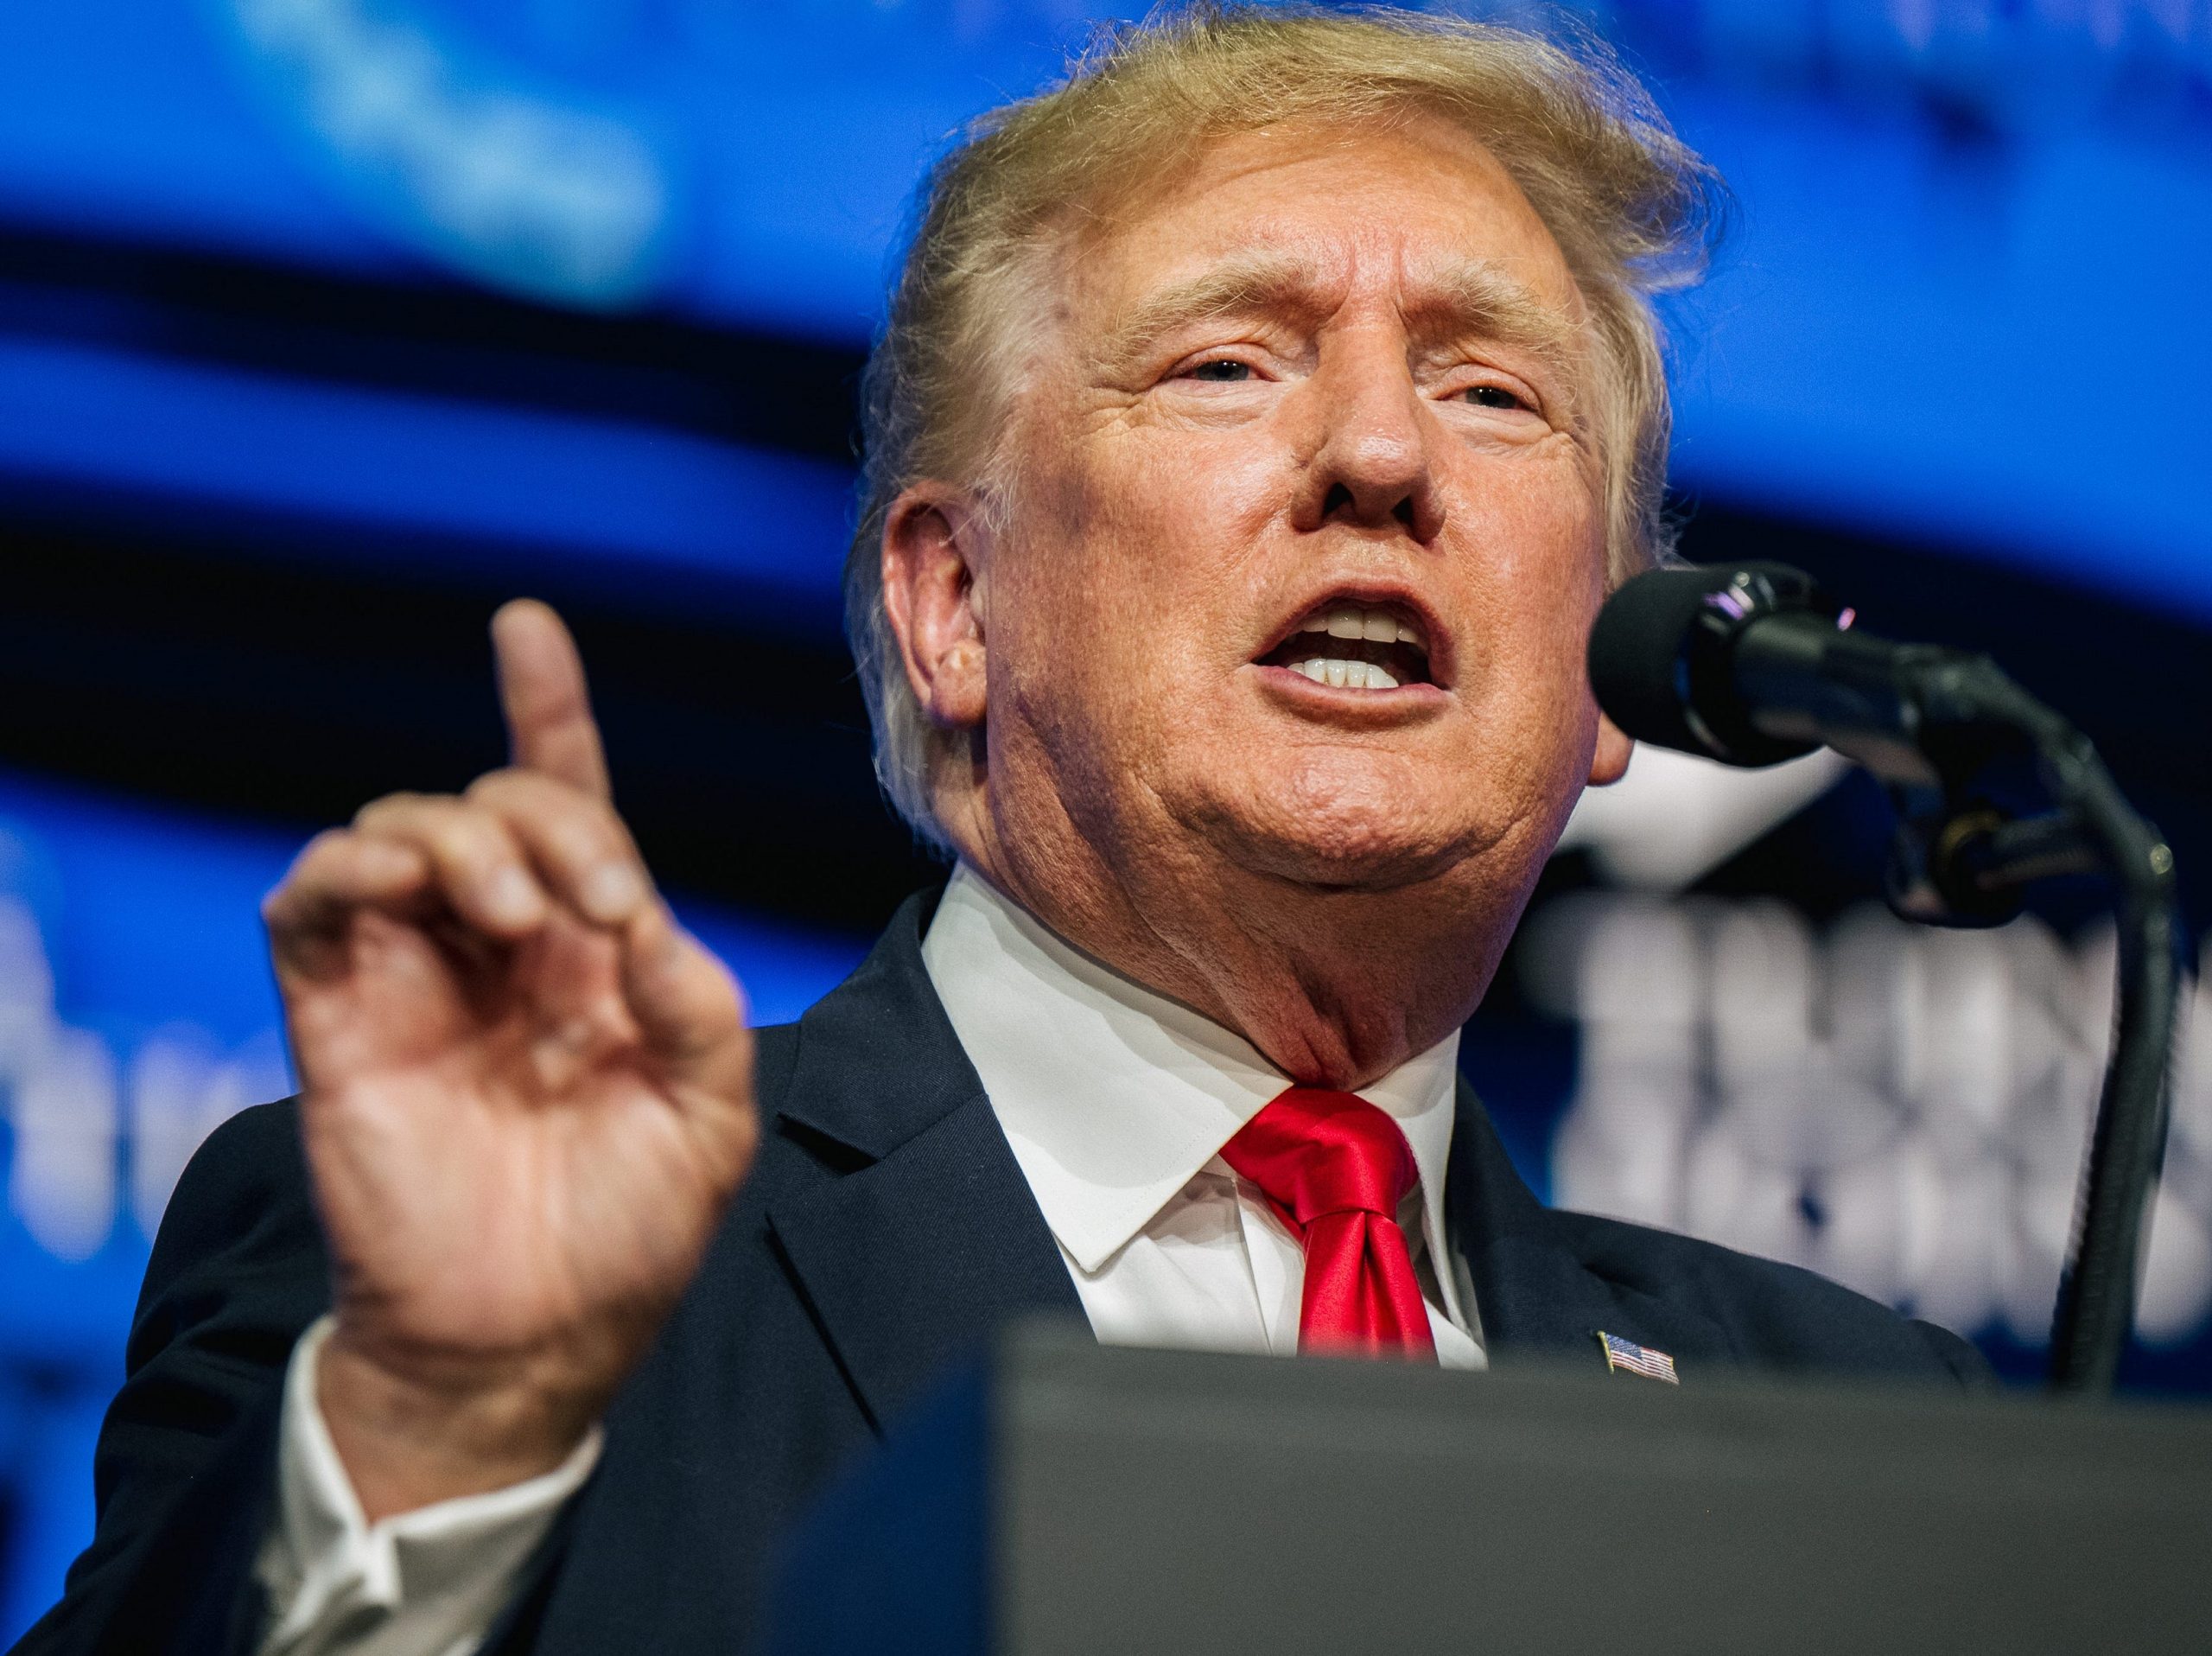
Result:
[{"x": 1632, "y": 208}]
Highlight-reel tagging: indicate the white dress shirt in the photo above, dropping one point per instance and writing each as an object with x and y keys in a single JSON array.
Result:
[
  {"x": 426, "y": 1583},
  {"x": 1116, "y": 1102}
]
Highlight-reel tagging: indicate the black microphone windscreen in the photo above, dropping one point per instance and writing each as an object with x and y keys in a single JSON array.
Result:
[{"x": 1636, "y": 651}]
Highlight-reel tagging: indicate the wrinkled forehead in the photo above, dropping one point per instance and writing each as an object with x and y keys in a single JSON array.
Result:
[{"x": 1304, "y": 221}]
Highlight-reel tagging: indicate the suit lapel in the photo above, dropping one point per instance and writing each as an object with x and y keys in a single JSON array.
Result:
[
  {"x": 933, "y": 1241},
  {"x": 1537, "y": 1294}
]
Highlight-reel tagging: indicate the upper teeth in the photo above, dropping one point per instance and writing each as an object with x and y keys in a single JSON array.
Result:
[
  {"x": 1353, "y": 620},
  {"x": 1356, "y": 621}
]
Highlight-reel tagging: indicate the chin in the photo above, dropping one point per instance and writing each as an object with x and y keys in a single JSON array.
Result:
[{"x": 1347, "y": 832}]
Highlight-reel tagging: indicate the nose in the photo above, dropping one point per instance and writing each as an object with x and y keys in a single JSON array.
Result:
[{"x": 1371, "y": 463}]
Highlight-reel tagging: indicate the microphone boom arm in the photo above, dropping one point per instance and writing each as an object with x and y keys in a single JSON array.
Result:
[
  {"x": 1927, "y": 720},
  {"x": 2094, "y": 827}
]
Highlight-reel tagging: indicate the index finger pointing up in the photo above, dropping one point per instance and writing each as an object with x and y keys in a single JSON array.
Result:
[{"x": 550, "y": 727}]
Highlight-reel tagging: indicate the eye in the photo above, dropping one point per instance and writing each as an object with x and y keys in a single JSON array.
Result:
[
  {"x": 1493, "y": 397},
  {"x": 1225, "y": 370}
]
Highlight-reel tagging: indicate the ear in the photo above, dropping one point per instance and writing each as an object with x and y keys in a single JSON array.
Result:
[
  {"x": 1610, "y": 762},
  {"x": 932, "y": 539}
]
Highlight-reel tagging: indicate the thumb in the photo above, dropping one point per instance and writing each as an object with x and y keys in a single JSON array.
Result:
[{"x": 688, "y": 1009}]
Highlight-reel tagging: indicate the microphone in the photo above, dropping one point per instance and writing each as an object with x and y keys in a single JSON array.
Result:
[{"x": 1751, "y": 664}]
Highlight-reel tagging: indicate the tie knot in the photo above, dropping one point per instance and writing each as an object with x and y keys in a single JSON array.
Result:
[{"x": 1316, "y": 1151}]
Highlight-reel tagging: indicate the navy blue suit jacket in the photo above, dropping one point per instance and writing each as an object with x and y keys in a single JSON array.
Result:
[{"x": 885, "y": 1230}]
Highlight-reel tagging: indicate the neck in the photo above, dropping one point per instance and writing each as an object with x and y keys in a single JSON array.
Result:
[{"x": 1336, "y": 986}]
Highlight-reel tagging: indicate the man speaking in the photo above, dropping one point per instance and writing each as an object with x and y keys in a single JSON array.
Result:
[{"x": 1261, "y": 417}]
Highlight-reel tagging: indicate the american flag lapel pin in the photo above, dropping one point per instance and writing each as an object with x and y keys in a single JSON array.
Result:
[{"x": 1625, "y": 1356}]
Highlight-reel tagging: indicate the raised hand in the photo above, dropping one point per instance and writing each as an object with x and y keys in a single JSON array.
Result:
[{"x": 526, "y": 1096}]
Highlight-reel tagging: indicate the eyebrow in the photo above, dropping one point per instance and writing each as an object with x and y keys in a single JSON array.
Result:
[
  {"x": 1475, "y": 297},
  {"x": 1242, "y": 286}
]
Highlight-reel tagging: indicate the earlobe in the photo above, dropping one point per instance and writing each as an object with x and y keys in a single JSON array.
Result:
[
  {"x": 1610, "y": 762},
  {"x": 931, "y": 598}
]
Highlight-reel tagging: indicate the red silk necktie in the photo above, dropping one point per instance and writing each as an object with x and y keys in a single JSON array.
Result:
[{"x": 1335, "y": 1169}]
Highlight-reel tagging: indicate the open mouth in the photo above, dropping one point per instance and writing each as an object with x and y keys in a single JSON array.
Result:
[{"x": 1356, "y": 647}]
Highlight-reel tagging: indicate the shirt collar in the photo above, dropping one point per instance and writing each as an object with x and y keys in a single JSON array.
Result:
[{"x": 1112, "y": 1096}]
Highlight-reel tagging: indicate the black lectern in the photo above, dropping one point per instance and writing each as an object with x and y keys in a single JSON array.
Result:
[{"x": 1069, "y": 1499}]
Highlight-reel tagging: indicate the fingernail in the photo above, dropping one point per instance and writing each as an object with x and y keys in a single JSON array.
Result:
[
  {"x": 511, "y": 898},
  {"x": 610, "y": 891}
]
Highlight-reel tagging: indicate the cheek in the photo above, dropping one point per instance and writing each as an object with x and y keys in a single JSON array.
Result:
[
  {"x": 1078, "y": 623},
  {"x": 1134, "y": 558},
  {"x": 1046, "y": 583},
  {"x": 1179, "y": 514},
  {"x": 1538, "y": 551}
]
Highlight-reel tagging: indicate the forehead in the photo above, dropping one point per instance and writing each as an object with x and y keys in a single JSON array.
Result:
[{"x": 1394, "y": 212}]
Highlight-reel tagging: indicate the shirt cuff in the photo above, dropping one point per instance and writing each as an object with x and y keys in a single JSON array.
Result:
[{"x": 427, "y": 1580}]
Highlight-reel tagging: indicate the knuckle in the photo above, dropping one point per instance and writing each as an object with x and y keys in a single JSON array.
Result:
[
  {"x": 307, "y": 881},
  {"x": 565, "y": 824},
  {"x": 385, "y": 803},
  {"x": 394, "y": 812},
  {"x": 313, "y": 866},
  {"x": 475, "y": 848},
  {"x": 457, "y": 831},
  {"x": 318, "y": 850},
  {"x": 611, "y": 835},
  {"x": 585, "y": 838},
  {"x": 494, "y": 787},
  {"x": 576, "y": 829}
]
